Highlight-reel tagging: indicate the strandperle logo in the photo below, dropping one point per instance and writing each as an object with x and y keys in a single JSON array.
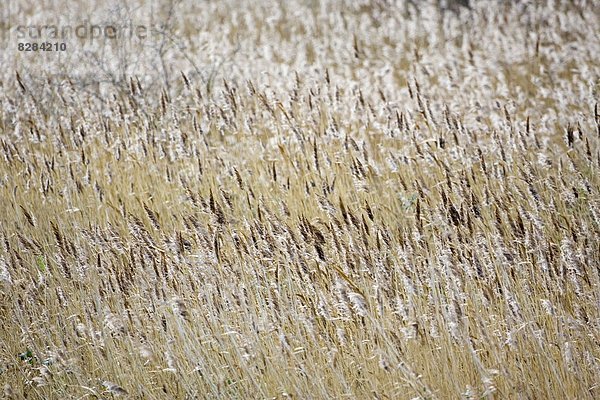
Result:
[
  {"x": 113, "y": 28},
  {"x": 84, "y": 31}
]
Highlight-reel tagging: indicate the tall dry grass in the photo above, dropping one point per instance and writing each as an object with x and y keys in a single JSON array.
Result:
[{"x": 362, "y": 200}]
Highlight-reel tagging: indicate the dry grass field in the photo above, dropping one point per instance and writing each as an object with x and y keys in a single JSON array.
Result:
[{"x": 303, "y": 200}]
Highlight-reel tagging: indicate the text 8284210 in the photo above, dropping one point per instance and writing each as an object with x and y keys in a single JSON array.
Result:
[{"x": 44, "y": 46}]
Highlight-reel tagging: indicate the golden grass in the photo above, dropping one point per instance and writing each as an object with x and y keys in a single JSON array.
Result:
[{"x": 414, "y": 214}]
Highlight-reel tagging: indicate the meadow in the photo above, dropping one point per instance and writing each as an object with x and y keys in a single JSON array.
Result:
[{"x": 304, "y": 200}]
